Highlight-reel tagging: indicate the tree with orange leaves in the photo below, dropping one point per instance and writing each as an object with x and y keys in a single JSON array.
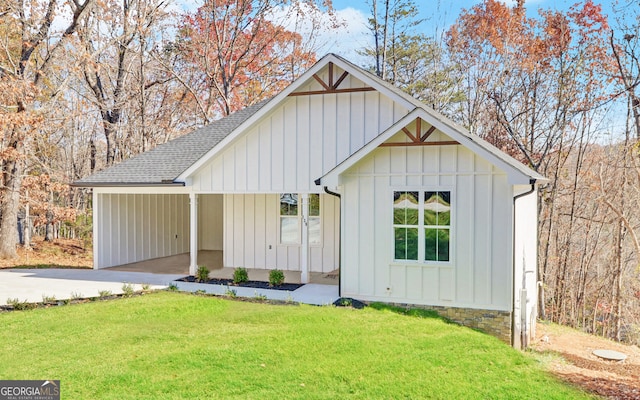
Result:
[
  {"x": 534, "y": 88},
  {"x": 528, "y": 78},
  {"x": 234, "y": 53}
]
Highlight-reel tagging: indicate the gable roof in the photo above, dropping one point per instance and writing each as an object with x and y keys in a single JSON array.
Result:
[
  {"x": 517, "y": 172},
  {"x": 163, "y": 164},
  {"x": 175, "y": 161}
]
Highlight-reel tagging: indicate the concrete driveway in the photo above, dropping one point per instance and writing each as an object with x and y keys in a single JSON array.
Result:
[{"x": 32, "y": 284}]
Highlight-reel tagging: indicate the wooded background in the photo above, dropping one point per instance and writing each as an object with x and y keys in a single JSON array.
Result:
[{"x": 85, "y": 84}]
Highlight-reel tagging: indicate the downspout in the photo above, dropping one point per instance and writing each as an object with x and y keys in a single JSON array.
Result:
[
  {"x": 326, "y": 189},
  {"x": 532, "y": 182}
]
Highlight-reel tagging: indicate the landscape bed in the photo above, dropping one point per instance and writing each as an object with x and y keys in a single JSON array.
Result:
[
  {"x": 251, "y": 284},
  {"x": 175, "y": 345}
]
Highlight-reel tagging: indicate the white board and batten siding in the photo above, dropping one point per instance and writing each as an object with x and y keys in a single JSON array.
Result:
[
  {"x": 479, "y": 272},
  {"x": 135, "y": 227},
  {"x": 251, "y": 228},
  {"x": 299, "y": 141}
]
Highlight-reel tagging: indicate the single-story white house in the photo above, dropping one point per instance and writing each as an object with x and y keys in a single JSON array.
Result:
[{"x": 340, "y": 171}]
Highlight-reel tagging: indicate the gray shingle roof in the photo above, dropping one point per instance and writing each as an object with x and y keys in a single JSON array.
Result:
[{"x": 165, "y": 163}]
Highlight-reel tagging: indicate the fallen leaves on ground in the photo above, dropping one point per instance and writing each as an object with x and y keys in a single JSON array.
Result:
[{"x": 577, "y": 364}]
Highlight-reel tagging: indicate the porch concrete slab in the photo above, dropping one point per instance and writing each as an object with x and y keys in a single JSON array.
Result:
[
  {"x": 308, "y": 294},
  {"x": 32, "y": 284},
  {"x": 319, "y": 295}
]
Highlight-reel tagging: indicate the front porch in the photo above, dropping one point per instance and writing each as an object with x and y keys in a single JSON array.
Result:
[{"x": 213, "y": 259}]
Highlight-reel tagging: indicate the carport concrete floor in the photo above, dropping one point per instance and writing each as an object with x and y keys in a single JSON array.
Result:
[
  {"x": 212, "y": 259},
  {"x": 32, "y": 285}
]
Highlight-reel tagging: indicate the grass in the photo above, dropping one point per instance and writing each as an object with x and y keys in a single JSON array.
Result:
[{"x": 173, "y": 345}]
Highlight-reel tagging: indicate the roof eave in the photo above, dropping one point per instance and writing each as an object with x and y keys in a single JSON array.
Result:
[{"x": 125, "y": 184}]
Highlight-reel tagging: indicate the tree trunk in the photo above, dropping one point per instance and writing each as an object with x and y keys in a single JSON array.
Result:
[
  {"x": 110, "y": 136},
  {"x": 9, "y": 205},
  {"x": 26, "y": 225},
  {"x": 48, "y": 233}
]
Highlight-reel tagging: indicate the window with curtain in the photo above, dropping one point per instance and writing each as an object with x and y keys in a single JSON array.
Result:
[{"x": 422, "y": 225}]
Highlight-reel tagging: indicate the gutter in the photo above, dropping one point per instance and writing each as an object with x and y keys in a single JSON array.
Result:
[
  {"x": 532, "y": 182},
  {"x": 326, "y": 189}
]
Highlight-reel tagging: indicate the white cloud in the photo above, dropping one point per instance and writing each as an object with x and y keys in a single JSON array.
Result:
[
  {"x": 345, "y": 33},
  {"x": 351, "y": 36}
]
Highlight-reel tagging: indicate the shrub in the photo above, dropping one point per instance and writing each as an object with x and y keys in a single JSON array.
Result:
[
  {"x": 173, "y": 287},
  {"x": 240, "y": 275},
  {"x": 20, "y": 305},
  {"x": 104, "y": 293},
  {"x": 48, "y": 299},
  {"x": 146, "y": 286},
  {"x": 127, "y": 290},
  {"x": 76, "y": 295},
  {"x": 276, "y": 277},
  {"x": 202, "y": 274}
]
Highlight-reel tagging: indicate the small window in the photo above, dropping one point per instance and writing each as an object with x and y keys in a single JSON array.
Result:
[
  {"x": 437, "y": 225},
  {"x": 289, "y": 219},
  {"x": 315, "y": 233},
  {"x": 405, "y": 225},
  {"x": 422, "y": 225}
]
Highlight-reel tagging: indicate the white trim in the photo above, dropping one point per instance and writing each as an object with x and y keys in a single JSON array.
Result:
[
  {"x": 304, "y": 250},
  {"x": 169, "y": 189},
  {"x": 193, "y": 233},
  {"x": 97, "y": 208}
]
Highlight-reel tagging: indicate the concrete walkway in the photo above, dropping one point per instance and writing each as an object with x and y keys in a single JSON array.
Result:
[{"x": 31, "y": 285}]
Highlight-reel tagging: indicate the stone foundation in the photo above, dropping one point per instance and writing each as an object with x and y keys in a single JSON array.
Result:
[{"x": 492, "y": 322}]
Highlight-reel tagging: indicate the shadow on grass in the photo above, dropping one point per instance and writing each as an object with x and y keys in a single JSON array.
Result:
[{"x": 411, "y": 312}]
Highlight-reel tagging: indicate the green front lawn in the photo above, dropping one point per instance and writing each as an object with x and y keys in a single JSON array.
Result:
[{"x": 173, "y": 345}]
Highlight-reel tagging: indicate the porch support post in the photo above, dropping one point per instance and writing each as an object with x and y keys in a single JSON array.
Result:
[
  {"x": 193, "y": 233},
  {"x": 97, "y": 209},
  {"x": 304, "y": 249}
]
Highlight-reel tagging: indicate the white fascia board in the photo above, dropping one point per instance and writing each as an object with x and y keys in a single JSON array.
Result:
[
  {"x": 168, "y": 189},
  {"x": 394, "y": 93},
  {"x": 514, "y": 175}
]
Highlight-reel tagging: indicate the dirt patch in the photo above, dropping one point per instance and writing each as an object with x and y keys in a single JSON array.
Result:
[
  {"x": 577, "y": 364},
  {"x": 68, "y": 253}
]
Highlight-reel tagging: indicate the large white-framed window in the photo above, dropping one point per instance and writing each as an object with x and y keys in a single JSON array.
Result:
[
  {"x": 291, "y": 215},
  {"x": 422, "y": 225}
]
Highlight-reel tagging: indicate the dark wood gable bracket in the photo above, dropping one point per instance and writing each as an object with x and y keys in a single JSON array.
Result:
[
  {"x": 331, "y": 86},
  {"x": 418, "y": 139}
]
